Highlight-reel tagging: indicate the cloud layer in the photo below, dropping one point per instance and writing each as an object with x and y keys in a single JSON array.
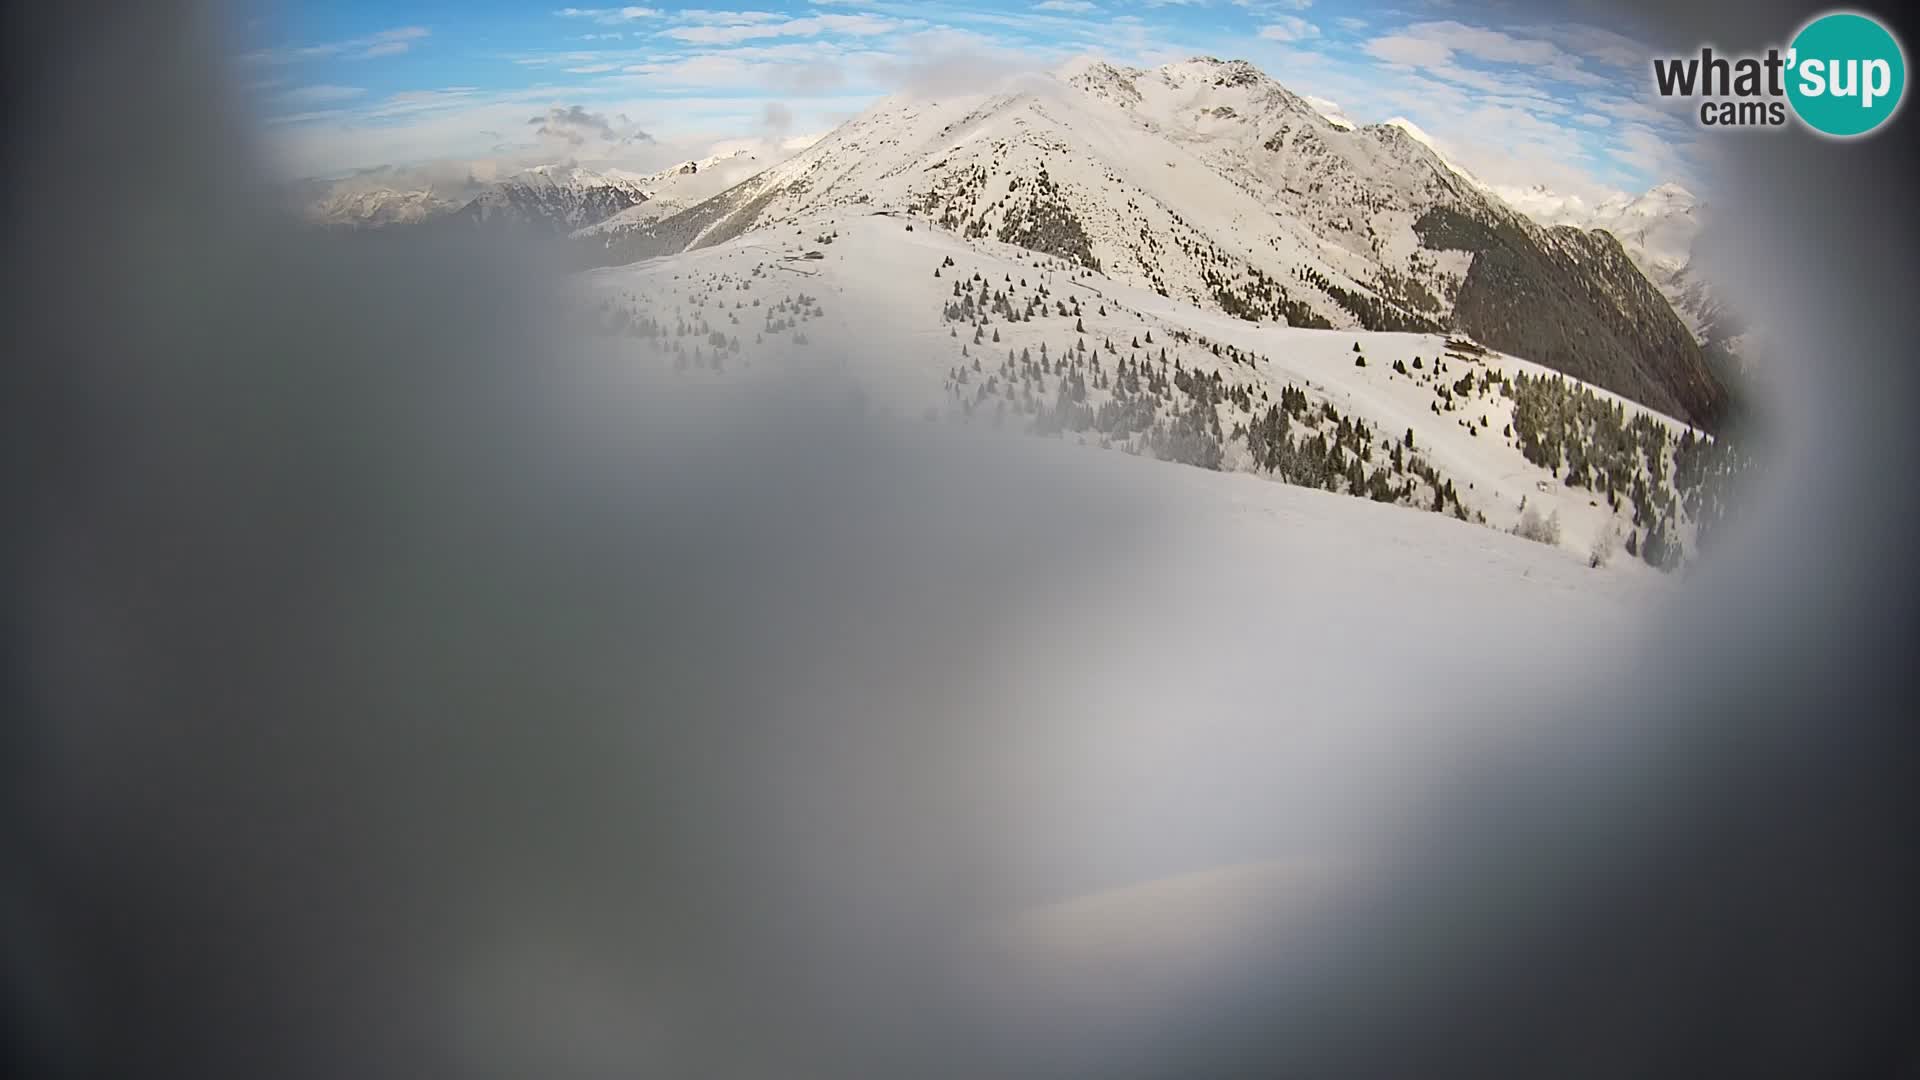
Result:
[{"x": 1516, "y": 101}]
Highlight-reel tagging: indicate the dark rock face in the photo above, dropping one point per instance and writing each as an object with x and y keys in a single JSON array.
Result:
[
  {"x": 1577, "y": 304},
  {"x": 720, "y": 218}
]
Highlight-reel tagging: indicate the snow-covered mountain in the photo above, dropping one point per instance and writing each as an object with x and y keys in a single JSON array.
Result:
[
  {"x": 1656, "y": 228},
  {"x": 672, "y": 190},
  {"x": 1207, "y": 182},
  {"x": 558, "y": 198},
  {"x": 993, "y": 334},
  {"x": 379, "y": 207}
]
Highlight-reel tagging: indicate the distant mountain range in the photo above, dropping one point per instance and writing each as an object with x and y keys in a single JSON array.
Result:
[
  {"x": 673, "y": 190},
  {"x": 1659, "y": 229},
  {"x": 555, "y": 198},
  {"x": 550, "y": 198},
  {"x": 380, "y": 207},
  {"x": 1210, "y": 183}
]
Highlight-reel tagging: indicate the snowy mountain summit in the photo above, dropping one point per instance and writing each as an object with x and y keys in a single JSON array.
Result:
[{"x": 1209, "y": 183}]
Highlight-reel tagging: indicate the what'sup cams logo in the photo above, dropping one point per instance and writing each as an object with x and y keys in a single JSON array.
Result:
[{"x": 1843, "y": 75}]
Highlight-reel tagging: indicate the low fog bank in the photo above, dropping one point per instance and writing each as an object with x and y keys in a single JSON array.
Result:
[{"x": 413, "y": 686}]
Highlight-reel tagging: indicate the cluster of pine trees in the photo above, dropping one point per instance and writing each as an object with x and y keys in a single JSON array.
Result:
[
  {"x": 1034, "y": 215},
  {"x": 953, "y": 198},
  {"x": 1372, "y": 312},
  {"x": 1037, "y": 217},
  {"x": 691, "y": 338},
  {"x": 1343, "y": 454},
  {"x": 1671, "y": 484},
  {"x": 1143, "y": 398}
]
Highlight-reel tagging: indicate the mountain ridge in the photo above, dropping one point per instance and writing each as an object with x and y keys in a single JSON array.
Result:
[{"x": 1207, "y": 181}]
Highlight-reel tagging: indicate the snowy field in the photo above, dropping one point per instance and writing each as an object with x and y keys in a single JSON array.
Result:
[
  {"x": 1202, "y": 706},
  {"x": 873, "y": 305},
  {"x": 1083, "y": 726}
]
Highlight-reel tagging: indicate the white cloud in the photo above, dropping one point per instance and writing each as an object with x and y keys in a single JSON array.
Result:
[
  {"x": 321, "y": 93},
  {"x": 576, "y": 127},
  {"x": 793, "y": 69},
  {"x": 1651, "y": 110},
  {"x": 1490, "y": 82},
  {"x": 726, "y": 18},
  {"x": 1330, "y": 109},
  {"x": 610, "y": 16},
  {"x": 1285, "y": 65},
  {"x": 547, "y": 59},
  {"x": 1435, "y": 44},
  {"x": 1289, "y": 28},
  {"x": 811, "y": 26},
  {"x": 946, "y": 61},
  {"x": 776, "y": 118},
  {"x": 1410, "y": 51},
  {"x": 1595, "y": 43},
  {"x": 385, "y": 43},
  {"x": 1525, "y": 63},
  {"x": 1655, "y": 153},
  {"x": 1485, "y": 44},
  {"x": 417, "y": 101},
  {"x": 1498, "y": 99},
  {"x": 489, "y": 133},
  {"x": 1509, "y": 140}
]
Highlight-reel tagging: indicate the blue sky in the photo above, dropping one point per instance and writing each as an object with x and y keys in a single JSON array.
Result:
[{"x": 354, "y": 85}]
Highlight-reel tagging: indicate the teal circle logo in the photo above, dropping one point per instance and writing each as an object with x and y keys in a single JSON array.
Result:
[{"x": 1847, "y": 74}]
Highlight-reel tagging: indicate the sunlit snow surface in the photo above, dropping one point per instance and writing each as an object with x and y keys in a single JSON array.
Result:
[
  {"x": 881, "y": 304},
  {"x": 1215, "y": 722}
]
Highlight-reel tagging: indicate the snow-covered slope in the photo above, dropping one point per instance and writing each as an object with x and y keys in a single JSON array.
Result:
[
  {"x": 990, "y": 333},
  {"x": 1208, "y": 183},
  {"x": 1420, "y": 136},
  {"x": 1158, "y": 178},
  {"x": 670, "y": 191}
]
